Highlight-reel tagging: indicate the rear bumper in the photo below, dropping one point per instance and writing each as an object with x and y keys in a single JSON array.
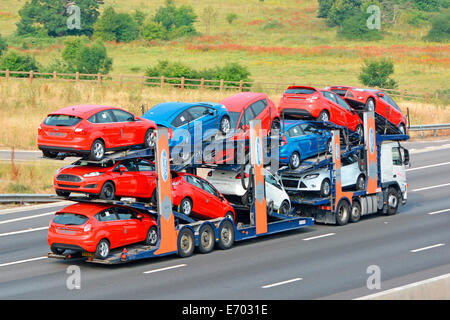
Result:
[
  {"x": 74, "y": 150},
  {"x": 296, "y": 112},
  {"x": 77, "y": 243}
]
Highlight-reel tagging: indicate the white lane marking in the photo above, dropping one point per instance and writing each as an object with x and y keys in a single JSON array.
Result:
[
  {"x": 22, "y": 261},
  {"x": 432, "y": 187},
  {"x": 427, "y": 248},
  {"x": 440, "y": 211},
  {"x": 318, "y": 237},
  {"x": 29, "y": 217},
  {"x": 428, "y": 149},
  {"x": 405, "y": 287},
  {"x": 281, "y": 283},
  {"x": 429, "y": 166},
  {"x": 164, "y": 269},
  {"x": 34, "y": 207},
  {"x": 22, "y": 231}
]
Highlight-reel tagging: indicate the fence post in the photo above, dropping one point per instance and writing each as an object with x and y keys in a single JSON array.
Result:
[
  {"x": 77, "y": 77},
  {"x": 202, "y": 83},
  {"x": 241, "y": 85},
  {"x": 54, "y": 75},
  {"x": 162, "y": 82},
  {"x": 7, "y": 75},
  {"x": 221, "y": 84},
  {"x": 428, "y": 97},
  {"x": 402, "y": 94},
  {"x": 182, "y": 83},
  {"x": 121, "y": 81},
  {"x": 31, "y": 76},
  {"x": 99, "y": 78}
]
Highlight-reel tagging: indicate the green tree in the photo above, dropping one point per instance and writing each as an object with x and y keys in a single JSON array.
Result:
[
  {"x": 52, "y": 17},
  {"x": 172, "y": 17},
  {"x": 15, "y": 61},
  {"x": 153, "y": 31},
  {"x": 3, "y": 45},
  {"x": 324, "y": 8},
  {"x": 440, "y": 28},
  {"x": 342, "y": 10},
  {"x": 112, "y": 26},
  {"x": 231, "y": 17},
  {"x": 355, "y": 28},
  {"x": 376, "y": 73}
]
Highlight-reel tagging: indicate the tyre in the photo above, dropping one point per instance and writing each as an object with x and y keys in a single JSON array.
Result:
[
  {"x": 229, "y": 215},
  {"x": 342, "y": 213},
  {"x": 206, "y": 239},
  {"x": 402, "y": 128},
  {"x": 325, "y": 188},
  {"x": 49, "y": 154},
  {"x": 361, "y": 182},
  {"x": 154, "y": 198},
  {"x": 324, "y": 116},
  {"x": 149, "y": 140},
  {"x": 186, "y": 243},
  {"x": 186, "y": 206},
  {"x": 225, "y": 125},
  {"x": 62, "y": 193},
  {"x": 247, "y": 198},
  {"x": 226, "y": 235},
  {"x": 393, "y": 200},
  {"x": 285, "y": 207},
  {"x": 152, "y": 236},
  {"x": 108, "y": 191},
  {"x": 294, "y": 161},
  {"x": 97, "y": 150},
  {"x": 370, "y": 104},
  {"x": 103, "y": 249},
  {"x": 276, "y": 127},
  {"x": 355, "y": 213},
  {"x": 360, "y": 131}
]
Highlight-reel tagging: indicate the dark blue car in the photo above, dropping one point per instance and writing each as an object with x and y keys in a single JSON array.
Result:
[{"x": 301, "y": 140}]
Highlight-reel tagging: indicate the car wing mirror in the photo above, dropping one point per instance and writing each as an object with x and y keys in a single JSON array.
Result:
[
  {"x": 122, "y": 170},
  {"x": 140, "y": 217}
]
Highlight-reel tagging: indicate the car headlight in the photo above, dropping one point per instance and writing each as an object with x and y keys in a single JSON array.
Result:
[
  {"x": 311, "y": 176},
  {"x": 92, "y": 174}
]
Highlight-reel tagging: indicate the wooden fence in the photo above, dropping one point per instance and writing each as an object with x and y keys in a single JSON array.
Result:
[{"x": 186, "y": 83}]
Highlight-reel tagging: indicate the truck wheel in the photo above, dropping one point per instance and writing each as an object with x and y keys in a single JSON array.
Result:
[
  {"x": 355, "y": 212},
  {"x": 226, "y": 235},
  {"x": 186, "y": 243},
  {"x": 206, "y": 239},
  {"x": 152, "y": 236},
  {"x": 325, "y": 188},
  {"x": 392, "y": 201},
  {"x": 342, "y": 213},
  {"x": 102, "y": 251},
  {"x": 294, "y": 161}
]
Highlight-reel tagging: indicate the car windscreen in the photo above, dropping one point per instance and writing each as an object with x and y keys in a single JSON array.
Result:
[
  {"x": 234, "y": 118},
  {"x": 70, "y": 219},
  {"x": 300, "y": 91},
  {"x": 340, "y": 92},
  {"x": 104, "y": 164},
  {"x": 61, "y": 120}
]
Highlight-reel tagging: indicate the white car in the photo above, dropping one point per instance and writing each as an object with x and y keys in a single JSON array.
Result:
[
  {"x": 229, "y": 183},
  {"x": 319, "y": 180}
]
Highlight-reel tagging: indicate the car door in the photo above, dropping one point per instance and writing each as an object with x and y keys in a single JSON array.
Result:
[
  {"x": 126, "y": 178},
  {"x": 247, "y": 115},
  {"x": 310, "y": 139},
  {"x": 111, "y": 224},
  {"x": 394, "y": 114},
  {"x": 203, "y": 120},
  {"x": 181, "y": 123},
  {"x": 273, "y": 189},
  {"x": 336, "y": 112},
  {"x": 214, "y": 205},
  {"x": 129, "y": 225},
  {"x": 130, "y": 129},
  {"x": 146, "y": 178},
  {"x": 351, "y": 118},
  {"x": 261, "y": 112},
  {"x": 298, "y": 141},
  {"x": 104, "y": 122}
]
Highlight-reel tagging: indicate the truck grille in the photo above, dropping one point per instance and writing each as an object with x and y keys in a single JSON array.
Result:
[{"x": 68, "y": 177}]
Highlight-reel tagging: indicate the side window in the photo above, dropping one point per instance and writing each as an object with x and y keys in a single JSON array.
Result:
[
  {"x": 309, "y": 129},
  {"x": 194, "y": 181},
  {"x": 182, "y": 119},
  {"x": 127, "y": 164},
  {"x": 106, "y": 215},
  {"x": 93, "y": 119},
  {"x": 396, "y": 156},
  {"x": 329, "y": 96},
  {"x": 258, "y": 106},
  {"x": 342, "y": 103},
  {"x": 144, "y": 165},
  {"x": 270, "y": 179},
  {"x": 295, "y": 132},
  {"x": 104, "y": 117},
  {"x": 247, "y": 116},
  {"x": 350, "y": 94},
  {"x": 198, "y": 112},
  {"x": 209, "y": 188},
  {"x": 124, "y": 213},
  {"x": 122, "y": 116}
]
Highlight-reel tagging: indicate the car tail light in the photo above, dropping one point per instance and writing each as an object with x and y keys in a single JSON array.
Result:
[
  {"x": 239, "y": 176},
  {"x": 170, "y": 131},
  {"x": 80, "y": 131},
  {"x": 312, "y": 99},
  {"x": 283, "y": 141},
  {"x": 176, "y": 182},
  {"x": 39, "y": 129},
  {"x": 87, "y": 227},
  {"x": 210, "y": 173}
]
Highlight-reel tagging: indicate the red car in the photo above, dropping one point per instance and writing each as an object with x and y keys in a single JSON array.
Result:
[
  {"x": 108, "y": 179},
  {"x": 91, "y": 130},
  {"x": 320, "y": 104},
  {"x": 196, "y": 196},
  {"x": 98, "y": 228},
  {"x": 374, "y": 100}
]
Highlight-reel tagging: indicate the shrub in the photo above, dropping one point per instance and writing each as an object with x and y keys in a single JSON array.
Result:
[
  {"x": 3, "y": 45},
  {"x": 112, "y": 26},
  {"x": 376, "y": 73},
  {"x": 15, "y": 61},
  {"x": 440, "y": 28},
  {"x": 171, "y": 17},
  {"x": 153, "y": 31},
  {"x": 355, "y": 28},
  {"x": 231, "y": 17}
]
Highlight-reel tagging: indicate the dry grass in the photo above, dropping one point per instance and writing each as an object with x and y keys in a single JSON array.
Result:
[{"x": 28, "y": 104}]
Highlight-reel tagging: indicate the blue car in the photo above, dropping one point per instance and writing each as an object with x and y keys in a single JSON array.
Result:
[
  {"x": 213, "y": 118},
  {"x": 302, "y": 140}
]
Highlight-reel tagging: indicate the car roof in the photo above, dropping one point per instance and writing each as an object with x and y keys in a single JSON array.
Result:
[
  {"x": 168, "y": 109},
  {"x": 237, "y": 102},
  {"x": 86, "y": 209},
  {"x": 82, "y": 110}
]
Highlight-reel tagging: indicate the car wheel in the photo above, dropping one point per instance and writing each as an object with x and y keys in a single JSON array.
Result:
[
  {"x": 186, "y": 243},
  {"x": 361, "y": 182},
  {"x": 149, "y": 140},
  {"x": 276, "y": 127},
  {"x": 355, "y": 214},
  {"x": 108, "y": 191},
  {"x": 360, "y": 131},
  {"x": 325, "y": 188},
  {"x": 186, "y": 206},
  {"x": 103, "y": 248},
  {"x": 285, "y": 207},
  {"x": 154, "y": 198},
  {"x": 62, "y": 193},
  {"x": 226, "y": 235},
  {"x": 392, "y": 201},
  {"x": 324, "y": 116},
  {"x": 229, "y": 215},
  {"x": 343, "y": 213},
  {"x": 225, "y": 125},
  {"x": 97, "y": 150},
  {"x": 206, "y": 239},
  {"x": 152, "y": 236},
  {"x": 49, "y": 154},
  {"x": 247, "y": 198},
  {"x": 402, "y": 128},
  {"x": 370, "y": 104},
  {"x": 294, "y": 160}
]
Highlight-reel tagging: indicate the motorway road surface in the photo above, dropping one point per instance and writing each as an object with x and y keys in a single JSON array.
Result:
[{"x": 320, "y": 262}]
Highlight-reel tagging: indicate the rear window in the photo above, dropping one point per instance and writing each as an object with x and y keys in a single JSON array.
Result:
[
  {"x": 61, "y": 120},
  {"x": 70, "y": 219},
  {"x": 300, "y": 91},
  {"x": 340, "y": 92},
  {"x": 234, "y": 118}
]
